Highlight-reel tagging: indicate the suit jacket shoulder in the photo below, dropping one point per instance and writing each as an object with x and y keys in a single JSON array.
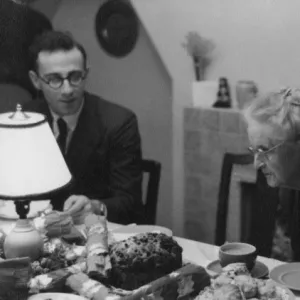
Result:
[{"x": 110, "y": 114}]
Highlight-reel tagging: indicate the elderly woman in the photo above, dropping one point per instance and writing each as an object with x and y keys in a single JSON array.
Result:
[{"x": 273, "y": 125}]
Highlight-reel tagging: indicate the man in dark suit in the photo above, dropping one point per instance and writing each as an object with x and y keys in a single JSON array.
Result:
[{"x": 100, "y": 140}]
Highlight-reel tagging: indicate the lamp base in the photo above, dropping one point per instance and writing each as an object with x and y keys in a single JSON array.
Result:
[
  {"x": 22, "y": 208},
  {"x": 23, "y": 241}
]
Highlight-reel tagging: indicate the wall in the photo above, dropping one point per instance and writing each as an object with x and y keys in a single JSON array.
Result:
[
  {"x": 208, "y": 134},
  {"x": 257, "y": 39},
  {"x": 138, "y": 81},
  {"x": 47, "y": 7},
  {"x": 253, "y": 39}
]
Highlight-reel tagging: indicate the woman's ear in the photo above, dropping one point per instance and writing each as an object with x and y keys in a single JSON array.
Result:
[{"x": 35, "y": 79}]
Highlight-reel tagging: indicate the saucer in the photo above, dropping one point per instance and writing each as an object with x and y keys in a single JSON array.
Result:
[
  {"x": 287, "y": 275},
  {"x": 259, "y": 270}
]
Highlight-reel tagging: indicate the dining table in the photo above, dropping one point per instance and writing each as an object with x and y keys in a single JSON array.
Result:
[
  {"x": 202, "y": 254},
  {"x": 195, "y": 252}
]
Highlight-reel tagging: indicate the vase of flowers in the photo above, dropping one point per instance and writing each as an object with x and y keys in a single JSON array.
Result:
[{"x": 200, "y": 50}]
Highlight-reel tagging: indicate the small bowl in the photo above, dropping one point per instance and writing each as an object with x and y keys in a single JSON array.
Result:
[{"x": 238, "y": 253}]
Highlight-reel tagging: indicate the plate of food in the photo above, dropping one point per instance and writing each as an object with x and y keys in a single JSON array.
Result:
[
  {"x": 259, "y": 270},
  {"x": 56, "y": 296},
  {"x": 236, "y": 282},
  {"x": 140, "y": 266}
]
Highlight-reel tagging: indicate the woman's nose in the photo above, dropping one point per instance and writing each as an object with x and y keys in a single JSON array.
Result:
[{"x": 258, "y": 163}]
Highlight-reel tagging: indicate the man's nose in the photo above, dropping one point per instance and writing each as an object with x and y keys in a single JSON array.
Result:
[{"x": 66, "y": 87}]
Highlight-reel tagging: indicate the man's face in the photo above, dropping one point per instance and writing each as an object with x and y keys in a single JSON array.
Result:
[{"x": 52, "y": 68}]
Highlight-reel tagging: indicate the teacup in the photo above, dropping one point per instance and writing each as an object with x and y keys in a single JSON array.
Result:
[{"x": 238, "y": 253}]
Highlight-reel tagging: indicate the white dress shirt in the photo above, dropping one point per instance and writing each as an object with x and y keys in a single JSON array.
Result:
[{"x": 71, "y": 121}]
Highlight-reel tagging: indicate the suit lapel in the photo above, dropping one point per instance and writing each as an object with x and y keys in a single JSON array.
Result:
[{"x": 85, "y": 137}]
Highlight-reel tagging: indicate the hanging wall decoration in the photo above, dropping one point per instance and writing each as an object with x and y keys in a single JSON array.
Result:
[{"x": 117, "y": 27}]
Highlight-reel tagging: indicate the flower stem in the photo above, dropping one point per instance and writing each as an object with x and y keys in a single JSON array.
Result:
[{"x": 198, "y": 68}]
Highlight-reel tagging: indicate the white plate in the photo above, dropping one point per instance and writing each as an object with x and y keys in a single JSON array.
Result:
[
  {"x": 56, "y": 296},
  {"x": 288, "y": 275},
  {"x": 125, "y": 232},
  {"x": 8, "y": 209}
]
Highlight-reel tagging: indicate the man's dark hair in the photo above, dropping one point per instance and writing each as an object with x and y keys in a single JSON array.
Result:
[{"x": 52, "y": 41}]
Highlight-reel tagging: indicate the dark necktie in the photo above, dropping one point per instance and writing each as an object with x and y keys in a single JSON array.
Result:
[{"x": 62, "y": 137}]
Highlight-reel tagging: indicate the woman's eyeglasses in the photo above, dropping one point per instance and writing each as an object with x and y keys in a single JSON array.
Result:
[
  {"x": 263, "y": 152},
  {"x": 56, "y": 81}
]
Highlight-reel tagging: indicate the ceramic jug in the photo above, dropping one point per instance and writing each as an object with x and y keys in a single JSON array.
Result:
[{"x": 246, "y": 91}]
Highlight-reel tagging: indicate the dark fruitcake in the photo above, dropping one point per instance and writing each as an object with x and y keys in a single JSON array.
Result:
[{"x": 142, "y": 259}]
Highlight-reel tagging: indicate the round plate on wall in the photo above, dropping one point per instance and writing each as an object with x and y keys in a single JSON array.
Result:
[{"x": 117, "y": 27}]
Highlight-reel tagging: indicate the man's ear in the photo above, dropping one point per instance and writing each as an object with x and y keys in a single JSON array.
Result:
[
  {"x": 87, "y": 71},
  {"x": 35, "y": 79}
]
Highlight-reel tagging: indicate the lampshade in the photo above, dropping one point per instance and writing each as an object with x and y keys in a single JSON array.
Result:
[{"x": 31, "y": 163}]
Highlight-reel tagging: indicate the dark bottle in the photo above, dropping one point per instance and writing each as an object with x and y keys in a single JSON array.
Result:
[{"x": 223, "y": 96}]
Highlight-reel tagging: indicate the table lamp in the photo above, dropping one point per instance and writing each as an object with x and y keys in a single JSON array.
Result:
[{"x": 32, "y": 168}]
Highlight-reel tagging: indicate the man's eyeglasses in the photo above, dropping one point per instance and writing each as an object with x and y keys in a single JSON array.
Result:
[
  {"x": 263, "y": 152},
  {"x": 55, "y": 81}
]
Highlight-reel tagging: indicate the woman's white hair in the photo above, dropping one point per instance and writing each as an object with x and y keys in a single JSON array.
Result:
[{"x": 279, "y": 109}]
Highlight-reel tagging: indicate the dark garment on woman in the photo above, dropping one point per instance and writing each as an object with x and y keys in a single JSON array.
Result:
[
  {"x": 295, "y": 226},
  {"x": 282, "y": 249},
  {"x": 288, "y": 223},
  {"x": 19, "y": 25}
]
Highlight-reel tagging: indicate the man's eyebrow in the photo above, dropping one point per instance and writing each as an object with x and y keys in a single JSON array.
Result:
[
  {"x": 53, "y": 74},
  {"x": 61, "y": 75}
]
